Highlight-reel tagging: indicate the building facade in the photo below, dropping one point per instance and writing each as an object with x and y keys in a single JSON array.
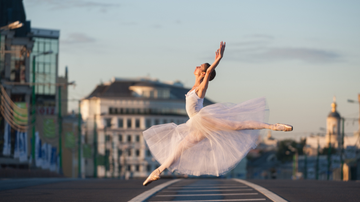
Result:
[
  {"x": 29, "y": 57},
  {"x": 116, "y": 114},
  {"x": 15, "y": 48}
]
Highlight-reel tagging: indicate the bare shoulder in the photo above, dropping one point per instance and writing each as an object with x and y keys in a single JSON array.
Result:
[{"x": 200, "y": 91}]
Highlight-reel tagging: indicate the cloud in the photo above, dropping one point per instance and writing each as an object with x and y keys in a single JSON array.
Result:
[
  {"x": 131, "y": 23},
  {"x": 260, "y": 36},
  {"x": 273, "y": 54},
  {"x": 77, "y": 38},
  {"x": 156, "y": 26},
  {"x": 310, "y": 55},
  {"x": 68, "y": 4},
  {"x": 259, "y": 48}
]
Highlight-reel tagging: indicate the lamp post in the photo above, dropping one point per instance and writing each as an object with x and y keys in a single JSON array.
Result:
[
  {"x": 295, "y": 161},
  {"x": 13, "y": 25},
  {"x": 106, "y": 156},
  {"x": 33, "y": 106},
  {"x": 79, "y": 143},
  {"x": 95, "y": 148}
]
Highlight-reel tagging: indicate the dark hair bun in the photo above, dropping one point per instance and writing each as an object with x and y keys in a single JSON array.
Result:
[{"x": 212, "y": 75}]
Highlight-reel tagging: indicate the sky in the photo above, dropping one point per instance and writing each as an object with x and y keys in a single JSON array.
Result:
[{"x": 297, "y": 54}]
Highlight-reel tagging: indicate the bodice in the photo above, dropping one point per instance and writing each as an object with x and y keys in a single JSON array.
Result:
[{"x": 193, "y": 103}]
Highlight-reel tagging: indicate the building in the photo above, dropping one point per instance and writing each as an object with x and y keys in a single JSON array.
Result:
[
  {"x": 333, "y": 138},
  {"x": 333, "y": 128},
  {"x": 15, "y": 48},
  {"x": 27, "y": 56},
  {"x": 116, "y": 113}
]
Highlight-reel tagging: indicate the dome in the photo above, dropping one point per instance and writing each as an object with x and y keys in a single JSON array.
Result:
[{"x": 334, "y": 114}]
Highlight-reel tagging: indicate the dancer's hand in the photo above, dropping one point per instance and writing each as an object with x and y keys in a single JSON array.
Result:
[{"x": 220, "y": 52}]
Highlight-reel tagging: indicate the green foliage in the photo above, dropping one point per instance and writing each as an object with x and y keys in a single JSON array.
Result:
[
  {"x": 284, "y": 153},
  {"x": 325, "y": 151}
]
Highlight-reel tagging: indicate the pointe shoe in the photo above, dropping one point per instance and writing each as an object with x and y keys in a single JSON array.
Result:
[
  {"x": 282, "y": 127},
  {"x": 155, "y": 175}
]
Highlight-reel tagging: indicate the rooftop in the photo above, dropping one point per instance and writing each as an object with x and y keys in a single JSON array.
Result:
[{"x": 122, "y": 88}]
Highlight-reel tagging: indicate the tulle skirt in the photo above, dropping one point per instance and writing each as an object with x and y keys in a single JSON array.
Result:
[{"x": 207, "y": 143}]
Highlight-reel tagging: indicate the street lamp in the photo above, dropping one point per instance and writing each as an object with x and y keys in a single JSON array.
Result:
[
  {"x": 34, "y": 109},
  {"x": 14, "y": 25},
  {"x": 295, "y": 161}
]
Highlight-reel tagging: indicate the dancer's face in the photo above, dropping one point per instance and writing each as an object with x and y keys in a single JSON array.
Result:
[{"x": 200, "y": 70}]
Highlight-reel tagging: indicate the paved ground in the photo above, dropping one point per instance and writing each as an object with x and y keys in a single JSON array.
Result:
[
  {"x": 312, "y": 190},
  {"x": 76, "y": 190},
  {"x": 123, "y": 190},
  {"x": 208, "y": 190}
]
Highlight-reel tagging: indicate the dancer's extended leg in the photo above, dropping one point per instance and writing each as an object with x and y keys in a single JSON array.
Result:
[
  {"x": 189, "y": 141},
  {"x": 245, "y": 125}
]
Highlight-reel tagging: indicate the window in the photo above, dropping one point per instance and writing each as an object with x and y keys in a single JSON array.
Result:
[
  {"x": 129, "y": 138},
  {"x": 129, "y": 152},
  {"x": 157, "y": 122},
  {"x": 120, "y": 138},
  {"x": 148, "y": 168},
  {"x": 107, "y": 153},
  {"x": 137, "y": 167},
  {"x": 148, "y": 123},
  {"x": 137, "y": 138},
  {"x": 129, "y": 123},
  {"x": 120, "y": 123},
  {"x": 137, "y": 152},
  {"x": 107, "y": 137},
  {"x": 129, "y": 167},
  {"x": 148, "y": 153},
  {"x": 137, "y": 123},
  {"x": 164, "y": 121},
  {"x": 107, "y": 122},
  {"x": 119, "y": 152}
]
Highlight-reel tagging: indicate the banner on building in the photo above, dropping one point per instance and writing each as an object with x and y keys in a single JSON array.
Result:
[
  {"x": 87, "y": 151},
  {"x": 7, "y": 140},
  {"x": 21, "y": 113},
  {"x": 21, "y": 146},
  {"x": 46, "y": 156},
  {"x": 46, "y": 110},
  {"x": 70, "y": 140},
  {"x": 49, "y": 128},
  {"x": 53, "y": 160},
  {"x": 38, "y": 152}
]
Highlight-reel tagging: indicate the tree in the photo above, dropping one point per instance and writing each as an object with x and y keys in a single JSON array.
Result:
[{"x": 284, "y": 153}]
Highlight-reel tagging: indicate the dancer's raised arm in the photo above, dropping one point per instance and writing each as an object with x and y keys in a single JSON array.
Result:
[{"x": 218, "y": 56}]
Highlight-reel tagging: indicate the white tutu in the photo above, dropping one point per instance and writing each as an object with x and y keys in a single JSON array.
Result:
[{"x": 221, "y": 149}]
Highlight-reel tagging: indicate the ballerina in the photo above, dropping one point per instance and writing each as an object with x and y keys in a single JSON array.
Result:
[{"x": 215, "y": 138}]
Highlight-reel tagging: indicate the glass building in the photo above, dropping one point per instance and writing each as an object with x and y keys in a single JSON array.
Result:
[{"x": 46, "y": 66}]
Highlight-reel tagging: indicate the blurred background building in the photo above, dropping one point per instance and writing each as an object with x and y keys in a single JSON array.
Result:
[
  {"x": 30, "y": 97},
  {"x": 116, "y": 114}
]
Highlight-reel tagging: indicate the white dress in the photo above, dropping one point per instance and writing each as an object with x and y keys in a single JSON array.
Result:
[{"x": 207, "y": 143}]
